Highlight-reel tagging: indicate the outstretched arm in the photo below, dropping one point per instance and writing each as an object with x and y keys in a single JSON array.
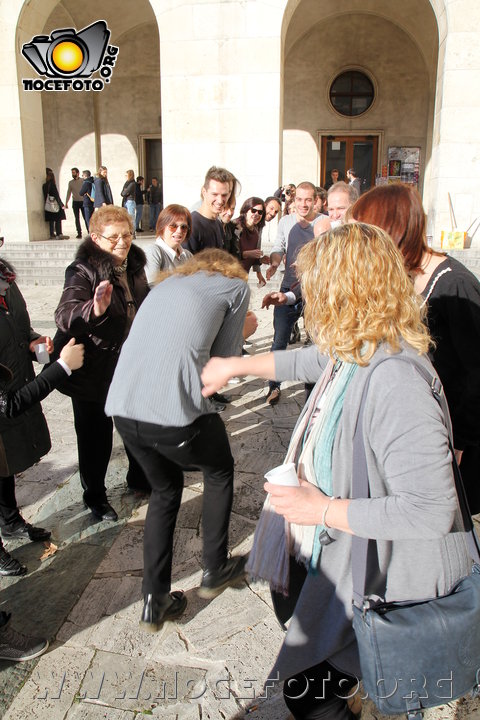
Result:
[{"x": 218, "y": 371}]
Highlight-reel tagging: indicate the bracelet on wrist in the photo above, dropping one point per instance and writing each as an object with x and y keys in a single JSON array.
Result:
[{"x": 324, "y": 516}]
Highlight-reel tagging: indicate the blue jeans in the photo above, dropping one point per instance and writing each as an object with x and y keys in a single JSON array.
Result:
[
  {"x": 154, "y": 213},
  {"x": 131, "y": 209},
  {"x": 284, "y": 318}
]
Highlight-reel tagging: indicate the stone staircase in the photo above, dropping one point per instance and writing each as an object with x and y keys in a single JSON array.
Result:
[{"x": 44, "y": 263}]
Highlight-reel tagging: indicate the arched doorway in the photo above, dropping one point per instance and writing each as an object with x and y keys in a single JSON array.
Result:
[
  {"x": 85, "y": 129},
  {"x": 390, "y": 52}
]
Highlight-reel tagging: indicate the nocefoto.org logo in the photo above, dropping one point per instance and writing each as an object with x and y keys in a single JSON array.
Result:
[{"x": 70, "y": 58}]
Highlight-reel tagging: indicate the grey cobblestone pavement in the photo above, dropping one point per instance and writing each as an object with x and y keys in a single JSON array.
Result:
[{"x": 87, "y": 596}]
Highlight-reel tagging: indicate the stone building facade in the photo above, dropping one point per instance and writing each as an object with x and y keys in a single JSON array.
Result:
[{"x": 248, "y": 84}]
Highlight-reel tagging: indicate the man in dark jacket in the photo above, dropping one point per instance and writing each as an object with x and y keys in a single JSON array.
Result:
[
  {"x": 154, "y": 197},
  {"x": 88, "y": 193},
  {"x": 104, "y": 286},
  {"x": 139, "y": 201}
]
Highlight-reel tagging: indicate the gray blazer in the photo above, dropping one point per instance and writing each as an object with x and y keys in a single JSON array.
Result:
[{"x": 413, "y": 512}]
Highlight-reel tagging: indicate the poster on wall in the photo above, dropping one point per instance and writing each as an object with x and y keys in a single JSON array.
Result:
[{"x": 403, "y": 165}]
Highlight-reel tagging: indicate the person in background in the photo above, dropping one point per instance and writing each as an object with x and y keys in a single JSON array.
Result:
[
  {"x": 272, "y": 207},
  {"x": 174, "y": 226},
  {"x": 365, "y": 320},
  {"x": 321, "y": 205},
  {"x": 168, "y": 425},
  {"x": 103, "y": 191},
  {"x": 230, "y": 240},
  {"x": 139, "y": 202},
  {"x": 154, "y": 198},
  {"x": 73, "y": 191},
  {"x": 451, "y": 294},
  {"x": 54, "y": 219},
  {"x": 333, "y": 178},
  {"x": 14, "y": 645},
  {"x": 248, "y": 230},
  {"x": 129, "y": 193},
  {"x": 354, "y": 180},
  {"x": 104, "y": 287},
  {"x": 87, "y": 192}
]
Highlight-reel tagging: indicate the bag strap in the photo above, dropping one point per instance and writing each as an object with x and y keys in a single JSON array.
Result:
[{"x": 361, "y": 489}]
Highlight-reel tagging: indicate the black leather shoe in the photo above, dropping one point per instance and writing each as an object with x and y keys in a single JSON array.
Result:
[
  {"x": 159, "y": 609},
  {"x": 103, "y": 511},
  {"x": 25, "y": 530},
  {"x": 10, "y": 566},
  {"x": 222, "y": 399},
  {"x": 216, "y": 581}
]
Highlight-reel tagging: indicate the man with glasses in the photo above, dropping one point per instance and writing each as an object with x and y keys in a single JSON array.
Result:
[{"x": 104, "y": 287}]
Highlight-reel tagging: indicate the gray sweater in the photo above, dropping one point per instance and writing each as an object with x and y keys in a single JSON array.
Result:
[
  {"x": 183, "y": 322},
  {"x": 413, "y": 511}
]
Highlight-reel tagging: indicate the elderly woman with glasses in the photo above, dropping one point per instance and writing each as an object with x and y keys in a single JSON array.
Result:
[
  {"x": 104, "y": 287},
  {"x": 174, "y": 227},
  {"x": 249, "y": 226}
]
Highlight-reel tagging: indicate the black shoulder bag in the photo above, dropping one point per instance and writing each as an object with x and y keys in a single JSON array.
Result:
[{"x": 418, "y": 654}]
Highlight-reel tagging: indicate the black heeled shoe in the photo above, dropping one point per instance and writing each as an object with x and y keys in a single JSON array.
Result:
[{"x": 159, "y": 609}]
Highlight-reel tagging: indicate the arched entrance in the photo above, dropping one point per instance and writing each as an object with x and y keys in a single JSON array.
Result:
[
  {"x": 119, "y": 127},
  {"x": 335, "y": 55}
]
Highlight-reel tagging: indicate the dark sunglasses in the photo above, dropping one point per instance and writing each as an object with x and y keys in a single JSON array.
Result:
[
  {"x": 182, "y": 226},
  {"x": 256, "y": 211}
]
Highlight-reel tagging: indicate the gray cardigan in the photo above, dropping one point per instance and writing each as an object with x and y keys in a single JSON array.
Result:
[
  {"x": 183, "y": 322},
  {"x": 158, "y": 259},
  {"x": 413, "y": 511}
]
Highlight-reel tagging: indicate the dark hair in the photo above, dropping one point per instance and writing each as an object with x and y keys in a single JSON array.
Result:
[
  {"x": 87, "y": 173},
  {"x": 223, "y": 175},
  {"x": 140, "y": 177},
  {"x": 248, "y": 205},
  {"x": 352, "y": 172},
  {"x": 49, "y": 176},
  {"x": 78, "y": 171},
  {"x": 171, "y": 214},
  {"x": 398, "y": 210},
  {"x": 272, "y": 197}
]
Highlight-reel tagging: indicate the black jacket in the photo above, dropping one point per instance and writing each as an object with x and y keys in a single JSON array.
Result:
[
  {"x": 103, "y": 337},
  {"x": 23, "y": 440}
]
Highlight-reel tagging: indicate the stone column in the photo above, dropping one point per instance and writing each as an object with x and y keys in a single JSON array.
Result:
[
  {"x": 220, "y": 85},
  {"x": 455, "y": 162},
  {"x": 21, "y": 126}
]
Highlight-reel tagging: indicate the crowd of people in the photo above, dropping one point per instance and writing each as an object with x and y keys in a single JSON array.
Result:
[{"x": 375, "y": 298}]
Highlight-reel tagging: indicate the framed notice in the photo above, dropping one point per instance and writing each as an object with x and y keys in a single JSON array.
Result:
[{"x": 403, "y": 164}]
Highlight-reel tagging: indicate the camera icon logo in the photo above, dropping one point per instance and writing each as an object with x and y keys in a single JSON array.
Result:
[{"x": 67, "y": 53}]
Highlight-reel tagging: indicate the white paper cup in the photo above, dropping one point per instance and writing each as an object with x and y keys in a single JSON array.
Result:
[
  {"x": 41, "y": 352},
  {"x": 283, "y": 475}
]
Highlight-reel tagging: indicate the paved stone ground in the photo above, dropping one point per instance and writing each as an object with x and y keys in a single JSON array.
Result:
[{"x": 87, "y": 597}]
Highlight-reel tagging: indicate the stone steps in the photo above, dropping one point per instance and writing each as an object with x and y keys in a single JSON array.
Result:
[{"x": 44, "y": 263}]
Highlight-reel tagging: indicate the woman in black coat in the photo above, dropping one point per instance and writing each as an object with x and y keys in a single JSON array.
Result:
[
  {"x": 54, "y": 219},
  {"x": 25, "y": 439},
  {"x": 104, "y": 286},
  {"x": 103, "y": 191}
]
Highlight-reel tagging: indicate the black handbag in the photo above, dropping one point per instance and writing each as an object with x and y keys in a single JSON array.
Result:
[{"x": 419, "y": 654}]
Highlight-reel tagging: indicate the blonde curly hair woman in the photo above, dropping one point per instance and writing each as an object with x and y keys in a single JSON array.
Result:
[{"x": 365, "y": 320}]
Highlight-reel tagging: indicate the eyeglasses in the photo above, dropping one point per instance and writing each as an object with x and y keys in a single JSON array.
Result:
[
  {"x": 256, "y": 211},
  {"x": 113, "y": 240},
  {"x": 181, "y": 226}
]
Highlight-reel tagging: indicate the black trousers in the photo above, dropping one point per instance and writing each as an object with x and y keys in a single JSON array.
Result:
[
  {"x": 77, "y": 206},
  {"x": 94, "y": 432},
  {"x": 163, "y": 452},
  {"x": 9, "y": 512},
  {"x": 319, "y": 693}
]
